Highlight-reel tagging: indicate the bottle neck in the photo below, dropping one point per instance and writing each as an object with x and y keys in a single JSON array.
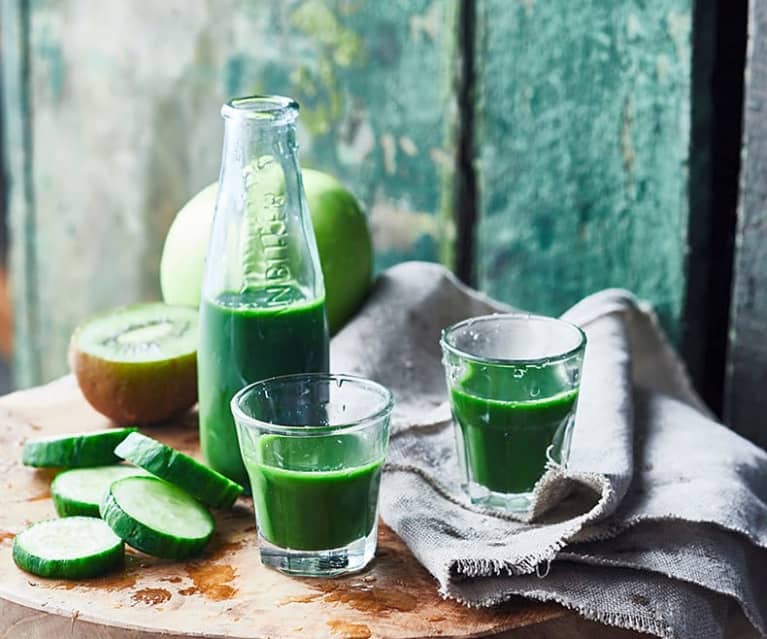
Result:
[
  {"x": 259, "y": 129},
  {"x": 262, "y": 241},
  {"x": 245, "y": 144},
  {"x": 261, "y": 166}
]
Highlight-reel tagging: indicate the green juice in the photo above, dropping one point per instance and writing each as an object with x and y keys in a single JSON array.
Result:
[
  {"x": 505, "y": 443},
  {"x": 242, "y": 340},
  {"x": 313, "y": 493}
]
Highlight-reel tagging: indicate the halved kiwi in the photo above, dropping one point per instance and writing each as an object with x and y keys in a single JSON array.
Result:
[{"x": 138, "y": 364}]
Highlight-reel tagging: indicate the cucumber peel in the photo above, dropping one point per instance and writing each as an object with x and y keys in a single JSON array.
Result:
[
  {"x": 69, "y": 548},
  {"x": 203, "y": 483},
  {"x": 75, "y": 450},
  {"x": 157, "y": 517},
  {"x": 80, "y": 491}
]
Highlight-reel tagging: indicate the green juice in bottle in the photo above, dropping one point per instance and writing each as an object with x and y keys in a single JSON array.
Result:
[{"x": 263, "y": 303}]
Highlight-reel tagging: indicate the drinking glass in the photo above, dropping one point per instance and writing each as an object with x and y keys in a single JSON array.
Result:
[
  {"x": 314, "y": 446},
  {"x": 513, "y": 382}
]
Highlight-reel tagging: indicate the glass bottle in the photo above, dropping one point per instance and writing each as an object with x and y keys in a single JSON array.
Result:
[{"x": 262, "y": 312}]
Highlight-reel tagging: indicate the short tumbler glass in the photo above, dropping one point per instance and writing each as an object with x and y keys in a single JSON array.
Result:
[
  {"x": 314, "y": 446},
  {"x": 513, "y": 382}
]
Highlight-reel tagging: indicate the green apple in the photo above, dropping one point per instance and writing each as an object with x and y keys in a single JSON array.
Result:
[
  {"x": 343, "y": 241},
  {"x": 344, "y": 244},
  {"x": 182, "y": 264}
]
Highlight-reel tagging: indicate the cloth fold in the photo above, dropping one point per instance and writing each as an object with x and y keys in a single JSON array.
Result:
[{"x": 659, "y": 521}]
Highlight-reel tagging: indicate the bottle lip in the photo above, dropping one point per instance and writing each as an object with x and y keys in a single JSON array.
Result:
[{"x": 266, "y": 110}]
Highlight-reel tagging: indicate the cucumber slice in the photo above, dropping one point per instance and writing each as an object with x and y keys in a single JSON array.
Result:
[
  {"x": 70, "y": 548},
  {"x": 156, "y": 517},
  {"x": 203, "y": 483},
  {"x": 80, "y": 491},
  {"x": 76, "y": 450}
]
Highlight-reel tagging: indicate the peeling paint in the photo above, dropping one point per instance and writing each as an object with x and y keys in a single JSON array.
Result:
[
  {"x": 628, "y": 154},
  {"x": 427, "y": 24},
  {"x": 356, "y": 138},
  {"x": 323, "y": 86},
  {"x": 601, "y": 38},
  {"x": 442, "y": 158},
  {"x": 679, "y": 28},
  {"x": 662, "y": 66},
  {"x": 389, "y": 153},
  {"x": 634, "y": 26},
  {"x": 396, "y": 227},
  {"x": 316, "y": 20},
  {"x": 408, "y": 146},
  {"x": 529, "y": 5},
  {"x": 339, "y": 48}
]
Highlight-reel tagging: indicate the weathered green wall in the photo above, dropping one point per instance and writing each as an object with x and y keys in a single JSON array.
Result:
[
  {"x": 112, "y": 113},
  {"x": 582, "y": 133},
  {"x": 579, "y": 116}
]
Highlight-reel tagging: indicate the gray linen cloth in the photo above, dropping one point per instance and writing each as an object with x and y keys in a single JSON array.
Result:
[{"x": 658, "y": 523}]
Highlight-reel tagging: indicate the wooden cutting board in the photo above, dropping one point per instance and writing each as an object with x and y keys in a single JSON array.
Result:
[{"x": 226, "y": 592}]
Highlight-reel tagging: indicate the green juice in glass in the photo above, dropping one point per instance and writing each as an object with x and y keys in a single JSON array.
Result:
[
  {"x": 308, "y": 492},
  {"x": 245, "y": 337},
  {"x": 513, "y": 381},
  {"x": 506, "y": 442},
  {"x": 510, "y": 421}
]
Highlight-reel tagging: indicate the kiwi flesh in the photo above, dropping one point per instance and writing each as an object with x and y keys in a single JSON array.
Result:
[{"x": 138, "y": 364}]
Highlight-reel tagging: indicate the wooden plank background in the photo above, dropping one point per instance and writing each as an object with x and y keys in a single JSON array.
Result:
[
  {"x": 582, "y": 143},
  {"x": 112, "y": 111},
  {"x": 560, "y": 139},
  {"x": 746, "y": 399}
]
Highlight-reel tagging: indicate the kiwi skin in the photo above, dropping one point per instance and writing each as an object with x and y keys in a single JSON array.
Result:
[{"x": 140, "y": 393}]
